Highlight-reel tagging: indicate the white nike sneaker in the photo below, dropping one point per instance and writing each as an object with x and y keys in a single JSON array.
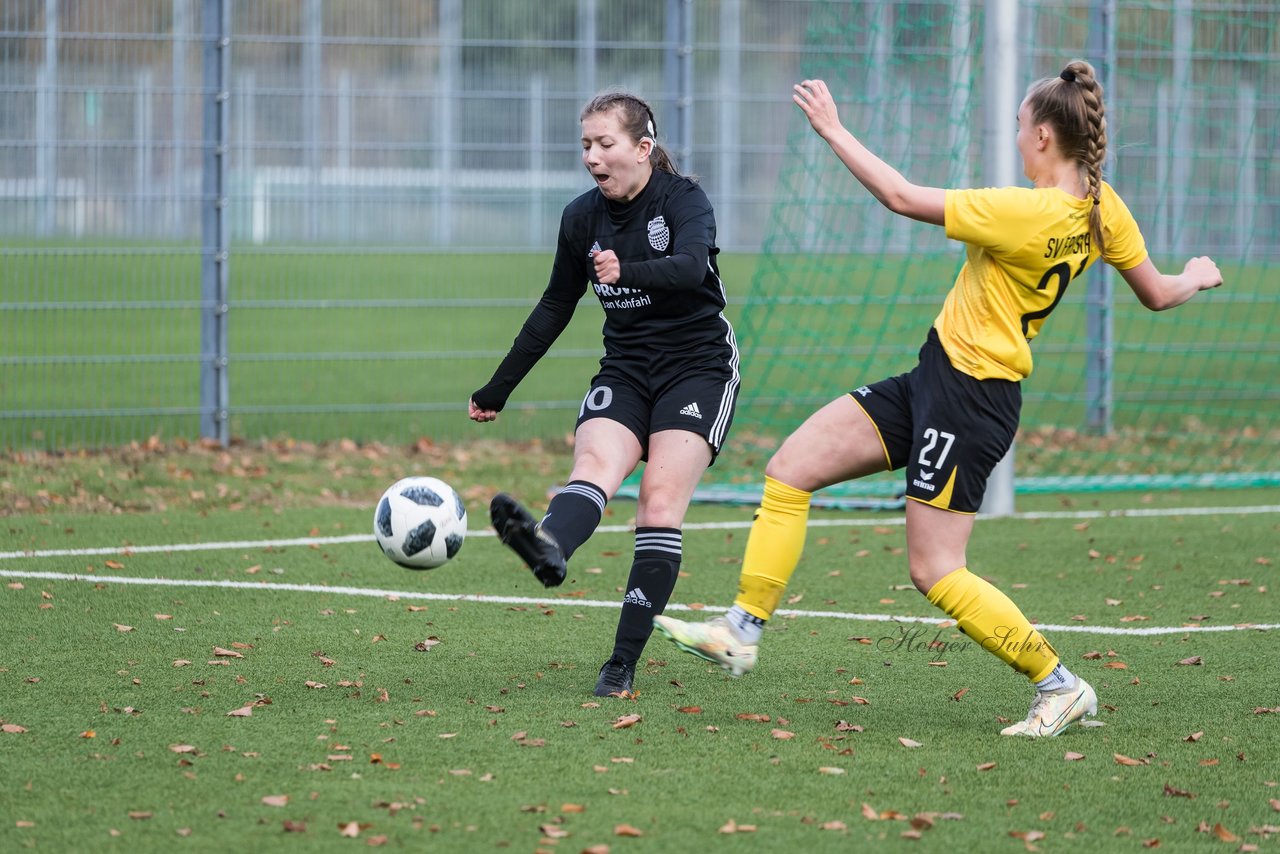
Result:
[
  {"x": 1052, "y": 711},
  {"x": 713, "y": 640}
]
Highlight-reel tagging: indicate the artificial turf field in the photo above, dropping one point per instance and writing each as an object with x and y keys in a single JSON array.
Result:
[{"x": 204, "y": 650}]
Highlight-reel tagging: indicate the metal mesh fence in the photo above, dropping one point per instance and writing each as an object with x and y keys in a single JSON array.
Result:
[{"x": 328, "y": 217}]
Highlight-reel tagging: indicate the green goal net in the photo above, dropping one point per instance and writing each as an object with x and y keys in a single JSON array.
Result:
[{"x": 846, "y": 291}]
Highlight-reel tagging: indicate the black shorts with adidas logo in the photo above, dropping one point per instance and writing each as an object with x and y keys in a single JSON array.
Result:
[
  {"x": 946, "y": 428},
  {"x": 666, "y": 392}
]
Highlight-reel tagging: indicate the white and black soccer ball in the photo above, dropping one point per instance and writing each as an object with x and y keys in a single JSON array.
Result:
[{"x": 420, "y": 522}]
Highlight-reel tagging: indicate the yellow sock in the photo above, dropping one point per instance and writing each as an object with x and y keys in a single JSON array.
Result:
[
  {"x": 773, "y": 547},
  {"x": 991, "y": 620}
]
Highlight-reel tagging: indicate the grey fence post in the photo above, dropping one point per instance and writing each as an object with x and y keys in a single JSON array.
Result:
[
  {"x": 1099, "y": 319},
  {"x": 214, "y": 243},
  {"x": 47, "y": 124},
  {"x": 999, "y": 128},
  {"x": 447, "y": 98},
  {"x": 678, "y": 79},
  {"x": 178, "y": 120}
]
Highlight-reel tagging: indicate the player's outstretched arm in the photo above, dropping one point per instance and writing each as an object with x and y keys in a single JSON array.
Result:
[
  {"x": 887, "y": 184},
  {"x": 1159, "y": 291}
]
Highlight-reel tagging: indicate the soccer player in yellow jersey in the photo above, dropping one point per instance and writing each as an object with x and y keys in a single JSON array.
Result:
[{"x": 951, "y": 419}]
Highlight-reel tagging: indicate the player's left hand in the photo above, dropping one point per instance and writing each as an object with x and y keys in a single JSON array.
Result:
[{"x": 608, "y": 267}]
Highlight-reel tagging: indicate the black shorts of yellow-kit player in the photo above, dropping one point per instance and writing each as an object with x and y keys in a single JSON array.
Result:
[
  {"x": 945, "y": 427},
  {"x": 648, "y": 396}
]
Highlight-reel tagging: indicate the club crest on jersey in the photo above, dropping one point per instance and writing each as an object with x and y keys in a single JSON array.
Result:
[{"x": 659, "y": 234}]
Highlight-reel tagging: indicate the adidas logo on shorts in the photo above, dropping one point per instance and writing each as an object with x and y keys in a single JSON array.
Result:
[
  {"x": 692, "y": 410},
  {"x": 637, "y": 597}
]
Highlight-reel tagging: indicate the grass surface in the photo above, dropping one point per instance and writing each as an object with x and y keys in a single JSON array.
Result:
[{"x": 386, "y": 705}]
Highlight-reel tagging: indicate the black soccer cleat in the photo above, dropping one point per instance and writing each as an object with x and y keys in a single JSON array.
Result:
[
  {"x": 522, "y": 535},
  {"x": 615, "y": 678}
]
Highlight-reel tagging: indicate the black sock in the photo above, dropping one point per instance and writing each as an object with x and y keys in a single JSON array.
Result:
[
  {"x": 653, "y": 577},
  {"x": 573, "y": 515}
]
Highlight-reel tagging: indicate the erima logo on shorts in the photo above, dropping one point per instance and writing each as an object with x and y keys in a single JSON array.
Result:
[
  {"x": 659, "y": 234},
  {"x": 862, "y": 390}
]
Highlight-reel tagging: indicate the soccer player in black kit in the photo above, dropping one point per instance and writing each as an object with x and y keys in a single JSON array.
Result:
[{"x": 644, "y": 238}]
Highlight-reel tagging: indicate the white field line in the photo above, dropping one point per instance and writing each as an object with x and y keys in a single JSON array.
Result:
[
  {"x": 550, "y": 602},
  {"x": 626, "y": 529},
  {"x": 395, "y": 595}
]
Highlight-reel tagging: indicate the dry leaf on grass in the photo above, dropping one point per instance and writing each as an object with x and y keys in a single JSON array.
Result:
[
  {"x": 732, "y": 826},
  {"x": 909, "y": 742},
  {"x": 1121, "y": 759},
  {"x": 627, "y": 830}
]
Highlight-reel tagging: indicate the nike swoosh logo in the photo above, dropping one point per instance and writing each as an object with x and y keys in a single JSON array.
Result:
[{"x": 1054, "y": 724}]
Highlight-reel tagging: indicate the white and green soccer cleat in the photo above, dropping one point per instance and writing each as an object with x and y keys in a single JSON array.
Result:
[
  {"x": 713, "y": 640},
  {"x": 1053, "y": 711}
]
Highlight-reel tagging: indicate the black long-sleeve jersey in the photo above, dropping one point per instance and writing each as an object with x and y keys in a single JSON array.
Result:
[{"x": 668, "y": 300}]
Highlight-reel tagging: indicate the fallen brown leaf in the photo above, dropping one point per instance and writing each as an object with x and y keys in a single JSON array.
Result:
[
  {"x": 1121, "y": 759},
  {"x": 627, "y": 830}
]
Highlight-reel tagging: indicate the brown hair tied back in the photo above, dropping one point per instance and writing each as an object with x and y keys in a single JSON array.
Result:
[
  {"x": 636, "y": 118},
  {"x": 1071, "y": 104}
]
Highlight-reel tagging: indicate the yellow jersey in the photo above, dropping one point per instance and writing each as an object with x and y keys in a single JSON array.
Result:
[{"x": 1023, "y": 247}]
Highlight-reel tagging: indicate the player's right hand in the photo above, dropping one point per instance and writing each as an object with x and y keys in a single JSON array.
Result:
[
  {"x": 814, "y": 98},
  {"x": 475, "y": 413}
]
